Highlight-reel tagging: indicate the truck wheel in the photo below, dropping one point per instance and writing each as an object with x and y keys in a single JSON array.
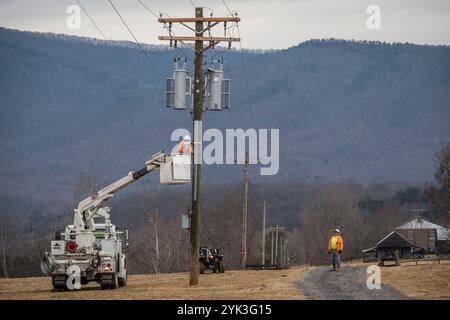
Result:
[
  {"x": 116, "y": 281},
  {"x": 59, "y": 283},
  {"x": 221, "y": 266},
  {"x": 123, "y": 281},
  {"x": 59, "y": 289},
  {"x": 202, "y": 267}
]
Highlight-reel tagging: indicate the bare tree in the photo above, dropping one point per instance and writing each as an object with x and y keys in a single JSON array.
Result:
[
  {"x": 6, "y": 252},
  {"x": 329, "y": 209},
  {"x": 440, "y": 195},
  {"x": 384, "y": 220},
  {"x": 153, "y": 218},
  {"x": 86, "y": 186}
]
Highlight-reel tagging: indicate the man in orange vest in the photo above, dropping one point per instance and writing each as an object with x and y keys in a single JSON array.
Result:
[
  {"x": 335, "y": 248},
  {"x": 184, "y": 147}
]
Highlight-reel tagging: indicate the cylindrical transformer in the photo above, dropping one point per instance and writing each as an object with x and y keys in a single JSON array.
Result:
[
  {"x": 180, "y": 75},
  {"x": 215, "y": 89}
]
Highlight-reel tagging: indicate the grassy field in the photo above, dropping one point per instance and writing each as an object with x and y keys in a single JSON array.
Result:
[
  {"x": 426, "y": 281},
  {"x": 416, "y": 282},
  {"x": 232, "y": 285}
]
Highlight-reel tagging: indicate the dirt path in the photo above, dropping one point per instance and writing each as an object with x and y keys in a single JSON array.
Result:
[{"x": 346, "y": 284}]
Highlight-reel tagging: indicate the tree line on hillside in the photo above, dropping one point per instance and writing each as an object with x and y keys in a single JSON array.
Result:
[{"x": 344, "y": 109}]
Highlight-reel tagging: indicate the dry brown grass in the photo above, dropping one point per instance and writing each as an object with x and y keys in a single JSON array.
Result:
[
  {"x": 425, "y": 281},
  {"x": 232, "y": 285}
]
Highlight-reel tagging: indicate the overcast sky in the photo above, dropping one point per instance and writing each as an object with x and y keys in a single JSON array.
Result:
[{"x": 265, "y": 23}]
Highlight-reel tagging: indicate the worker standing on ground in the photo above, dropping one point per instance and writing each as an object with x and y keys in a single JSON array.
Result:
[
  {"x": 184, "y": 147},
  {"x": 335, "y": 248}
]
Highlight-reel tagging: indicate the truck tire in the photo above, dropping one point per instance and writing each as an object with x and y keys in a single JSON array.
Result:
[
  {"x": 202, "y": 267},
  {"x": 59, "y": 283},
  {"x": 114, "y": 284},
  {"x": 221, "y": 266},
  {"x": 60, "y": 289},
  {"x": 123, "y": 281},
  {"x": 116, "y": 281}
]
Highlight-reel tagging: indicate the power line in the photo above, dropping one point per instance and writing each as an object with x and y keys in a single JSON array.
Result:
[
  {"x": 226, "y": 6},
  {"x": 148, "y": 9},
  {"x": 193, "y": 5},
  {"x": 160, "y": 15},
  {"x": 92, "y": 20},
  {"x": 250, "y": 102},
  {"x": 140, "y": 46},
  {"x": 245, "y": 73},
  {"x": 136, "y": 40}
]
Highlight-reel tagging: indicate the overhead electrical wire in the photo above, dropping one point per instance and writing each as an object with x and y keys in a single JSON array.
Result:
[
  {"x": 135, "y": 39},
  {"x": 148, "y": 9},
  {"x": 140, "y": 46},
  {"x": 92, "y": 20},
  {"x": 247, "y": 87},
  {"x": 193, "y": 5},
  {"x": 165, "y": 26},
  {"x": 226, "y": 6},
  {"x": 250, "y": 102}
]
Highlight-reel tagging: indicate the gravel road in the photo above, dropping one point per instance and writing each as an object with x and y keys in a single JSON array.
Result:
[{"x": 349, "y": 283}]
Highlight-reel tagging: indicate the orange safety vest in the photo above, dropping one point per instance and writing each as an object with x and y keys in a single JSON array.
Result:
[{"x": 336, "y": 243}]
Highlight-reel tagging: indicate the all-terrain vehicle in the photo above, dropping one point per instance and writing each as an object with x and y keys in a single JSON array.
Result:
[{"x": 210, "y": 259}]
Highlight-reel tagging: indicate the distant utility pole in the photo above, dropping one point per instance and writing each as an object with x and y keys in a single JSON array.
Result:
[
  {"x": 245, "y": 214},
  {"x": 276, "y": 245},
  {"x": 278, "y": 235},
  {"x": 199, "y": 96},
  {"x": 263, "y": 257}
]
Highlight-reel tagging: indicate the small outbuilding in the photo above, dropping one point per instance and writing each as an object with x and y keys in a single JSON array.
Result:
[
  {"x": 393, "y": 247},
  {"x": 426, "y": 234}
]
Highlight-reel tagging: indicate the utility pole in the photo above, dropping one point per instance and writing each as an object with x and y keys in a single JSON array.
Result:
[
  {"x": 271, "y": 251},
  {"x": 278, "y": 250},
  {"x": 199, "y": 87},
  {"x": 263, "y": 258},
  {"x": 245, "y": 214},
  {"x": 276, "y": 245}
]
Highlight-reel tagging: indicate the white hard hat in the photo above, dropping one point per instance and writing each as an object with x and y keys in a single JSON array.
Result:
[
  {"x": 337, "y": 230},
  {"x": 186, "y": 138}
]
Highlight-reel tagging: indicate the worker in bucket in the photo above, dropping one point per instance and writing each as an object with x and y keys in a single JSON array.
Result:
[
  {"x": 335, "y": 248},
  {"x": 184, "y": 147}
]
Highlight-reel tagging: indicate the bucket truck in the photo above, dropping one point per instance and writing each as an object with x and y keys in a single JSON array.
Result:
[{"x": 91, "y": 249}]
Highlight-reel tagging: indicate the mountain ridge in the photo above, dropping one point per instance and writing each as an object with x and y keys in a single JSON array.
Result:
[{"x": 368, "y": 111}]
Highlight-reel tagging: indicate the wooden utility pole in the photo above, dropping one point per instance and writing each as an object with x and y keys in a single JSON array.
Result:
[
  {"x": 271, "y": 250},
  {"x": 245, "y": 214},
  {"x": 276, "y": 245},
  {"x": 199, "y": 39},
  {"x": 263, "y": 258}
]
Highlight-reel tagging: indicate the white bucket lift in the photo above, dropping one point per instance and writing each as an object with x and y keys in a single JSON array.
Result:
[{"x": 176, "y": 169}]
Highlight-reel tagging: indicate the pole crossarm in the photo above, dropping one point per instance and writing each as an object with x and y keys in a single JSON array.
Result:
[
  {"x": 207, "y": 39},
  {"x": 206, "y": 19}
]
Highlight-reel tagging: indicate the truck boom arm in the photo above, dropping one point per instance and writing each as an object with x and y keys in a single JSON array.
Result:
[{"x": 88, "y": 207}]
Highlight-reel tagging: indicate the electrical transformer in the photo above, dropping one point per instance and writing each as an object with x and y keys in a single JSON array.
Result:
[
  {"x": 217, "y": 89},
  {"x": 178, "y": 89}
]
